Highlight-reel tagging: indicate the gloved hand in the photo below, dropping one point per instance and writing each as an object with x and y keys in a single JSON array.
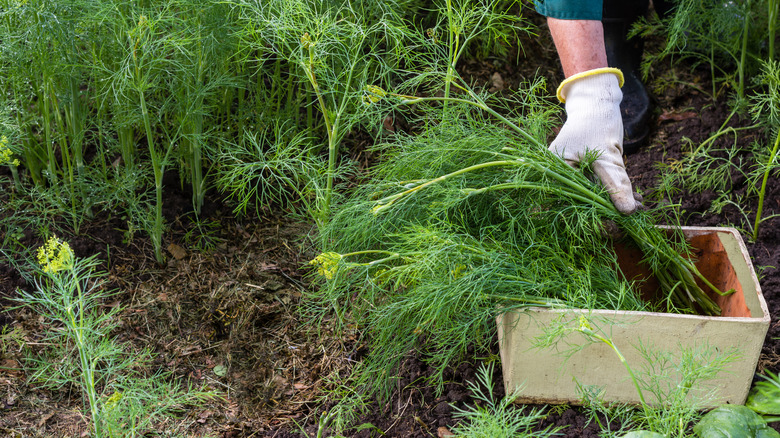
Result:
[{"x": 593, "y": 124}]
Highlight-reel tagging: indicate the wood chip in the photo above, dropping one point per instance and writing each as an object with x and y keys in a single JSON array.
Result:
[{"x": 677, "y": 117}]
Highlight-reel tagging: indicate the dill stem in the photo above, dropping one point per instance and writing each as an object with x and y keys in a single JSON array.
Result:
[
  {"x": 591, "y": 333},
  {"x": 47, "y": 128},
  {"x": 74, "y": 320},
  {"x": 743, "y": 56},
  {"x": 531, "y": 186},
  {"x": 762, "y": 193},
  {"x": 772, "y": 23},
  {"x": 594, "y": 199},
  {"x": 158, "y": 170},
  {"x": 528, "y": 137},
  {"x": 452, "y": 50},
  {"x": 386, "y": 202}
]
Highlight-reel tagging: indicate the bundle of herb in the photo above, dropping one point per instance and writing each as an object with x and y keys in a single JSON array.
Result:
[{"x": 468, "y": 219}]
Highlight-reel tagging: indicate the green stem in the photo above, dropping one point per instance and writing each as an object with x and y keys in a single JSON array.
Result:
[
  {"x": 452, "y": 43},
  {"x": 528, "y": 137},
  {"x": 723, "y": 130},
  {"x": 772, "y": 25},
  {"x": 712, "y": 71},
  {"x": 589, "y": 332},
  {"x": 761, "y": 194},
  {"x": 594, "y": 198},
  {"x": 158, "y": 170},
  {"x": 330, "y": 128},
  {"x": 75, "y": 118},
  {"x": 51, "y": 165},
  {"x": 77, "y": 324},
  {"x": 532, "y": 186},
  {"x": 15, "y": 175},
  {"x": 743, "y": 56},
  {"x": 68, "y": 165},
  {"x": 386, "y": 202}
]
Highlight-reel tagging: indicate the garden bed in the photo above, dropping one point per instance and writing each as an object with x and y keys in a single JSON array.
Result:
[{"x": 228, "y": 318}]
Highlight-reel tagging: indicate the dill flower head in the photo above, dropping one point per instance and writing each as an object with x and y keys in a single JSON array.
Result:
[
  {"x": 306, "y": 41},
  {"x": 373, "y": 94},
  {"x": 327, "y": 264},
  {"x": 458, "y": 272},
  {"x": 113, "y": 399},
  {"x": 55, "y": 255},
  {"x": 585, "y": 324},
  {"x": 6, "y": 154}
]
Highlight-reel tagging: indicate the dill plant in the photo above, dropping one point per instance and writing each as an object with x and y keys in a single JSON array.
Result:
[
  {"x": 667, "y": 382},
  {"x": 765, "y": 109},
  {"x": 703, "y": 168},
  {"x": 43, "y": 70},
  {"x": 729, "y": 38},
  {"x": 70, "y": 294},
  {"x": 673, "y": 402},
  {"x": 498, "y": 418},
  {"x": 272, "y": 166},
  {"x": 200, "y": 77},
  {"x": 150, "y": 48},
  {"x": 332, "y": 48},
  {"x": 715, "y": 36},
  {"x": 469, "y": 20}
]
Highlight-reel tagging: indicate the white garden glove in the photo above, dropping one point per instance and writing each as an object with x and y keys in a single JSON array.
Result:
[{"x": 593, "y": 124}]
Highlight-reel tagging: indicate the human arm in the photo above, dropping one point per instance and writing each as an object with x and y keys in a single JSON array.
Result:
[{"x": 592, "y": 96}]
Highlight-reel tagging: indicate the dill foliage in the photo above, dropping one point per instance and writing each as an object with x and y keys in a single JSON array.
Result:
[{"x": 433, "y": 270}]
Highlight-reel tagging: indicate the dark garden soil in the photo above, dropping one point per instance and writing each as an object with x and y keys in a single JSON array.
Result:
[{"x": 224, "y": 312}]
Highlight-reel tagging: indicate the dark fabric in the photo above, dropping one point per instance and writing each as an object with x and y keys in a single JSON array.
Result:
[
  {"x": 624, "y": 10},
  {"x": 570, "y": 9}
]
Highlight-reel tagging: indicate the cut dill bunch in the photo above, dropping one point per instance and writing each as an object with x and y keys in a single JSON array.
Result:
[{"x": 478, "y": 222}]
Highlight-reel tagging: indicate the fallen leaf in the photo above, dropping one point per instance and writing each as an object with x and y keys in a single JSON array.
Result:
[
  {"x": 11, "y": 367},
  {"x": 498, "y": 82},
  {"x": 443, "y": 431},
  {"x": 176, "y": 251}
]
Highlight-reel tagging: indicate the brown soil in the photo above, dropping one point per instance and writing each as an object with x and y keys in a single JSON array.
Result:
[{"x": 234, "y": 308}]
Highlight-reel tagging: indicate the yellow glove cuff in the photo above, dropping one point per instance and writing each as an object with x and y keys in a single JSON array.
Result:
[{"x": 595, "y": 71}]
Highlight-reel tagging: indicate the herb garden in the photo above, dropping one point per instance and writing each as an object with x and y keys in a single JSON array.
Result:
[{"x": 302, "y": 218}]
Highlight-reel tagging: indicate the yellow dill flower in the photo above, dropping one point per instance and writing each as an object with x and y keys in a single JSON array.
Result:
[
  {"x": 458, "y": 272},
  {"x": 585, "y": 324},
  {"x": 373, "y": 94},
  {"x": 55, "y": 255},
  {"x": 327, "y": 264},
  {"x": 6, "y": 153},
  {"x": 113, "y": 399},
  {"x": 306, "y": 41}
]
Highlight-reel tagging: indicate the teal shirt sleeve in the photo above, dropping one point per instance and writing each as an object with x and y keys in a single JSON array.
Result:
[{"x": 570, "y": 9}]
